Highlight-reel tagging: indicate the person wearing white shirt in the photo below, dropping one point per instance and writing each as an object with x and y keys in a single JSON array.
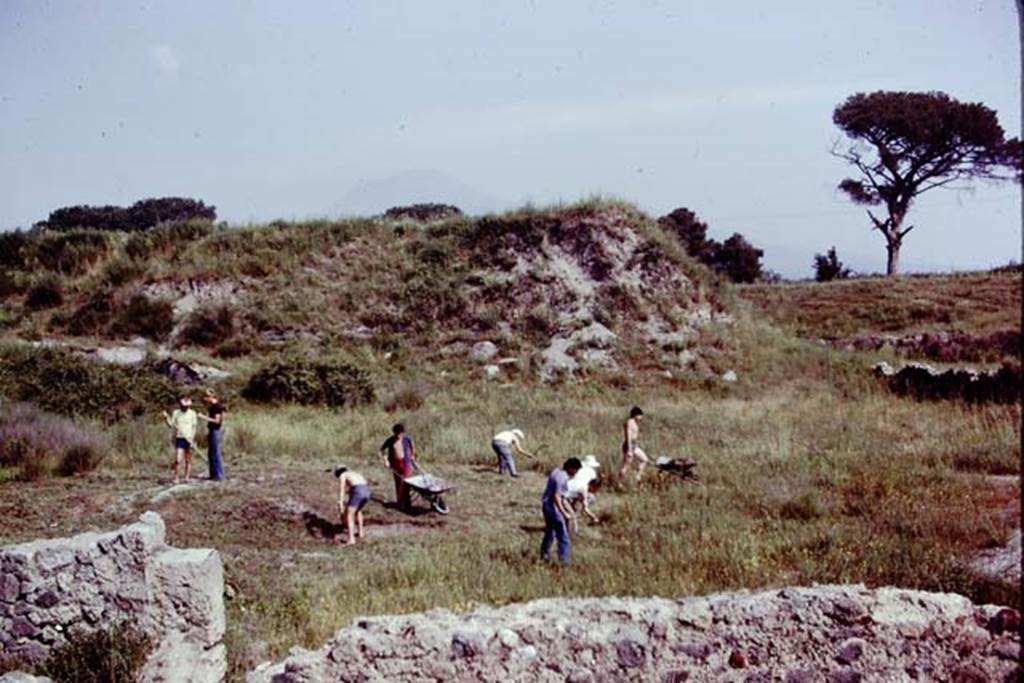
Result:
[
  {"x": 581, "y": 487},
  {"x": 503, "y": 444}
]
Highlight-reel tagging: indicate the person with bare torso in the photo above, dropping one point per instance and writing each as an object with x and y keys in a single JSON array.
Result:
[
  {"x": 630, "y": 443},
  {"x": 351, "y": 511}
]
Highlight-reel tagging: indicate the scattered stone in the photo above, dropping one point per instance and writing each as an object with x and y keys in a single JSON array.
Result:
[
  {"x": 556, "y": 362},
  {"x": 483, "y": 351},
  {"x": 492, "y": 372},
  {"x": 737, "y": 659},
  {"x": 1006, "y": 619},
  {"x": 630, "y": 654},
  {"x": 729, "y": 376},
  {"x": 845, "y": 676},
  {"x": 850, "y": 651},
  {"x": 1007, "y": 649},
  {"x": 463, "y": 647},
  {"x": 800, "y": 676}
]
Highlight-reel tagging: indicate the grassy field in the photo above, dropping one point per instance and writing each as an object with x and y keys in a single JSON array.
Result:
[
  {"x": 975, "y": 302},
  {"x": 811, "y": 479}
]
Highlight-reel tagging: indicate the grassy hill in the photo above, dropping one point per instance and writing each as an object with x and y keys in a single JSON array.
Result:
[
  {"x": 520, "y": 280},
  {"x": 979, "y": 303}
]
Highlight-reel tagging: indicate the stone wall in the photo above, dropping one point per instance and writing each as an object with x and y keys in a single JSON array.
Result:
[
  {"x": 824, "y": 633},
  {"x": 93, "y": 581},
  {"x": 922, "y": 381}
]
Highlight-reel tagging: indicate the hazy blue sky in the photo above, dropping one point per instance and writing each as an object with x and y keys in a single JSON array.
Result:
[{"x": 272, "y": 109}]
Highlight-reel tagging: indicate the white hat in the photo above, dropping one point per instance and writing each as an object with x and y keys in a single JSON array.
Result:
[
  {"x": 519, "y": 433},
  {"x": 590, "y": 461}
]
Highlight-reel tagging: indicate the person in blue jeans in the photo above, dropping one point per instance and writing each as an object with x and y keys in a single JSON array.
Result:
[
  {"x": 557, "y": 511},
  {"x": 214, "y": 423}
]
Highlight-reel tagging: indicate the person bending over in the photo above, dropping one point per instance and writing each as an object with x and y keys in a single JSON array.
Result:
[
  {"x": 556, "y": 510},
  {"x": 351, "y": 511}
]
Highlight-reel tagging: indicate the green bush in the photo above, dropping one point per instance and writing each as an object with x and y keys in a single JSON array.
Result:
[
  {"x": 70, "y": 253},
  {"x": 330, "y": 382},
  {"x": 208, "y": 326},
  {"x": 34, "y": 441},
  {"x": 145, "y": 317},
  {"x": 92, "y": 317},
  {"x": 46, "y": 293},
  {"x": 111, "y": 656},
  {"x": 63, "y": 383}
]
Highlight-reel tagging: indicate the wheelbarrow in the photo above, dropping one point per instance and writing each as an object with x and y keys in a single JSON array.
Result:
[
  {"x": 681, "y": 467},
  {"x": 431, "y": 489}
]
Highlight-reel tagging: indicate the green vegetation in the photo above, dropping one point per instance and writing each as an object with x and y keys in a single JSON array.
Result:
[
  {"x": 111, "y": 656},
  {"x": 331, "y": 382},
  {"x": 974, "y": 302},
  {"x": 60, "y": 382}
]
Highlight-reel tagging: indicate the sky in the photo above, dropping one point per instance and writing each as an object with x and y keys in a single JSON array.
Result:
[{"x": 293, "y": 110}]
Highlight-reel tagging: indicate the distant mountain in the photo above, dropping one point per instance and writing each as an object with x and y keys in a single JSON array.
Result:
[{"x": 377, "y": 195}]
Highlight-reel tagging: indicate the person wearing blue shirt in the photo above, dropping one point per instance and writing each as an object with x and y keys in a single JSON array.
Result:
[{"x": 557, "y": 511}]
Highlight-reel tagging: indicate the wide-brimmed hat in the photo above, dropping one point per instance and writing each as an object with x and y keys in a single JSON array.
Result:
[
  {"x": 590, "y": 461},
  {"x": 519, "y": 433},
  {"x": 185, "y": 400}
]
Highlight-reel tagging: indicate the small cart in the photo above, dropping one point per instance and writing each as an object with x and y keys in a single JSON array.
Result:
[
  {"x": 681, "y": 467},
  {"x": 430, "y": 488}
]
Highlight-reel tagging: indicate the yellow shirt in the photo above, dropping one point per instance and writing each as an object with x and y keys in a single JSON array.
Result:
[{"x": 184, "y": 423}]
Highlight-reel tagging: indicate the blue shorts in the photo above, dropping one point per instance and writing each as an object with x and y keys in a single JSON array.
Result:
[
  {"x": 360, "y": 497},
  {"x": 183, "y": 444}
]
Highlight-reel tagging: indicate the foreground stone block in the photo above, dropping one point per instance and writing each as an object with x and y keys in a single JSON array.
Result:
[
  {"x": 820, "y": 633},
  {"x": 93, "y": 581}
]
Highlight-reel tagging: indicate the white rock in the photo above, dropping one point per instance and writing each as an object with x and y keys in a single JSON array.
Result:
[
  {"x": 491, "y": 372},
  {"x": 729, "y": 376},
  {"x": 483, "y": 351}
]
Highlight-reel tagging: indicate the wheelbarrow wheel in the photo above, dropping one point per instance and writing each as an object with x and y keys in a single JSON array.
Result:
[{"x": 440, "y": 507}]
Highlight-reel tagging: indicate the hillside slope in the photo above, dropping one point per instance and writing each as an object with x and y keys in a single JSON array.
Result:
[
  {"x": 589, "y": 285},
  {"x": 958, "y": 317}
]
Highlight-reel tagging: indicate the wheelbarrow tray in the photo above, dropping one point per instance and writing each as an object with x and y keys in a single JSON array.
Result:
[{"x": 428, "y": 484}]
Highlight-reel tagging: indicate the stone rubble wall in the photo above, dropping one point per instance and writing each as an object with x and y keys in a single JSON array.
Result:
[
  {"x": 922, "y": 381},
  {"x": 840, "y": 634},
  {"x": 93, "y": 581}
]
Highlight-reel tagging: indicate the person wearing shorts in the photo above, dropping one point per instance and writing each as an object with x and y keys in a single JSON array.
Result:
[
  {"x": 351, "y": 511},
  {"x": 183, "y": 421},
  {"x": 630, "y": 443}
]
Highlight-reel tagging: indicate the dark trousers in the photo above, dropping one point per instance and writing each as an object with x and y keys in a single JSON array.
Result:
[{"x": 554, "y": 527}]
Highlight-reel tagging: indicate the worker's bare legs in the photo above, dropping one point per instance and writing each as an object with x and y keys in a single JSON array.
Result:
[
  {"x": 359, "y": 523},
  {"x": 179, "y": 454},
  {"x": 350, "y": 524},
  {"x": 643, "y": 460},
  {"x": 188, "y": 464}
]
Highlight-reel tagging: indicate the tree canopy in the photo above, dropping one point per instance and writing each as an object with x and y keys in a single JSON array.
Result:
[{"x": 904, "y": 143}]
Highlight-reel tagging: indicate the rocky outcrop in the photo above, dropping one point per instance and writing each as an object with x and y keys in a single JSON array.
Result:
[
  {"x": 94, "y": 581},
  {"x": 949, "y": 346},
  {"x": 922, "y": 381},
  {"x": 824, "y": 633}
]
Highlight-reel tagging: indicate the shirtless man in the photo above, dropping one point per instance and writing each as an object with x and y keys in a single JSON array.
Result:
[
  {"x": 630, "y": 448},
  {"x": 359, "y": 496}
]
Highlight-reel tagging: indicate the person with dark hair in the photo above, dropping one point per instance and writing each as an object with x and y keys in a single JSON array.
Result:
[
  {"x": 630, "y": 448},
  {"x": 351, "y": 512},
  {"x": 399, "y": 453},
  {"x": 557, "y": 511},
  {"x": 214, "y": 424}
]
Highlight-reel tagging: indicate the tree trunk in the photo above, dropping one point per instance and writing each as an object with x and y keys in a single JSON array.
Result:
[{"x": 892, "y": 265}]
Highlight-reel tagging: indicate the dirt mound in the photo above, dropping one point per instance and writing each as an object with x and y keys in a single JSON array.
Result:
[{"x": 834, "y": 633}]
